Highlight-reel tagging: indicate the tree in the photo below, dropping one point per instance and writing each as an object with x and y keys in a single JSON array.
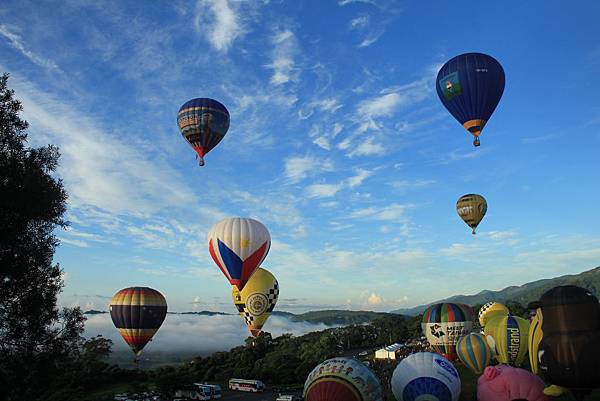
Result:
[{"x": 36, "y": 338}]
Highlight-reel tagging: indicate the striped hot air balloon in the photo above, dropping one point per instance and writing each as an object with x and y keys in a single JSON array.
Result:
[
  {"x": 203, "y": 122},
  {"x": 238, "y": 246},
  {"x": 138, "y": 312},
  {"x": 444, "y": 323},
  {"x": 257, "y": 300},
  {"x": 342, "y": 379},
  {"x": 474, "y": 352},
  {"x": 470, "y": 87},
  {"x": 471, "y": 208}
]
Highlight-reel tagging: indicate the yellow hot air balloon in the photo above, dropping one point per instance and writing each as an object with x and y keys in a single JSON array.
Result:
[
  {"x": 489, "y": 309},
  {"x": 471, "y": 208},
  {"x": 474, "y": 352},
  {"x": 535, "y": 337},
  {"x": 256, "y": 300},
  {"x": 508, "y": 336}
]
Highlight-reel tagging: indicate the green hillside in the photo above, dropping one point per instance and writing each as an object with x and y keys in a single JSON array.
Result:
[
  {"x": 522, "y": 294},
  {"x": 342, "y": 317}
]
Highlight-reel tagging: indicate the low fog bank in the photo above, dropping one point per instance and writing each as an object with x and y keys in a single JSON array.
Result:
[{"x": 187, "y": 336}]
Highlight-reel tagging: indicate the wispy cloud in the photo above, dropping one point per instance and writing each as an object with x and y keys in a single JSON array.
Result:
[
  {"x": 16, "y": 42},
  {"x": 538, "y": 139},
  {"x": 219, "y": 22},
  {"x": 282, "y": 62},
  {"x": 329, "y": 190},
  {"x": 367, "y": 148},
  {"x": 360, "y": 22},
  {"x": 298, "y": 168},
  {"x": 406, "y": 185},
  {"x": 392, "y": 212}
]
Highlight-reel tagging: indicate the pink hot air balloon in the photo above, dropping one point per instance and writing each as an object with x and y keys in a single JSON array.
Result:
[{"x": 505, "y": 383}]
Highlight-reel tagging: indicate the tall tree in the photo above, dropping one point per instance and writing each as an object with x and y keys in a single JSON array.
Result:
[{"x": 36, "y": 338}]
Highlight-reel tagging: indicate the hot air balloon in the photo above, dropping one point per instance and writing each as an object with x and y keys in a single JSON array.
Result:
[
  {"x": 203, "y": 122},
  {"x": 425, "y": 376},
  {"x": 535, "y": 336},
  {"x": 471, "y": 208},
  {"x": 505, "y": 383},
  {"x": 238, "y": 246},
  {"x": 138, "y": 312},
  {"x": 474, "y": 352},
  {"x": 508, "y": 335},
  {"x": 489, "y": 309},
  {"x": 470, "y": 87},
  {"x": 257, "y": 300},
  {"x": 567, "y": 352},
  {"x": 443, "y": 324},
  {"x": 342, "y": 379}
]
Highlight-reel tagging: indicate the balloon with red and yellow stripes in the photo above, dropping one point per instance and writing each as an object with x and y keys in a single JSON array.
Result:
[{"x": 138, "y": 313}]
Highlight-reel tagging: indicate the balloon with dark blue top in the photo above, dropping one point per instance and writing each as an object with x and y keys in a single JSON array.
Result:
[{"x": 470, "y": 87}]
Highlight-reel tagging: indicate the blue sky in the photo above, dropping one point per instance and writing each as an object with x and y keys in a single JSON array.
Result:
[{"x": 338, "y": 144}]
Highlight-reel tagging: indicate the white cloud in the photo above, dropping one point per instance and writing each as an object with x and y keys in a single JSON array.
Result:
[
  {"x": 282, "y": 62},
  {"x": 405, "y": 185},
  {"x": 374, "y": 299},
  {"x": 358, "y": 179},
  {"x": 99, "y": 169},
  {"x": 323, "y": 190},
  {"x": 538, "y": 139},
  {"x": 359, "y": 22},
  {"x": 75, "y": 242},
  {"x": 367, "y": 148},
  {"x": 299, "y": 167},
  {"x": 329, "y": 190},
  {"x": 324, "y": 140},
  {"x": 379, "y": 106},
  {"x": 369, "y": 40},
  {"x": 462, "y": 250},
  {"x": 392, "y": 212},
  {"x": 16, "y": 43},
  {"x": 221, "y": 24},
  {"x": 197, "y": 334}
]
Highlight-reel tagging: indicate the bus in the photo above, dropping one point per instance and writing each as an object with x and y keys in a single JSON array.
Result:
[
  {"x": 215, "y": 389},
  {"x": 246, "y": 385}
]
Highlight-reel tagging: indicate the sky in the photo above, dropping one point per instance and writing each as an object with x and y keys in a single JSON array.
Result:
[{"x": 338, "y": 143}]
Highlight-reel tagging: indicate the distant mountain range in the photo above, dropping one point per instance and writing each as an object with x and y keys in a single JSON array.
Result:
[
  {"x": 328, "y": 317},
  {"x": 523, "y": 294}
]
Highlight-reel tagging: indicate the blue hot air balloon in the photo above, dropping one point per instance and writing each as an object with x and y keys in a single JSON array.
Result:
[
  {"x": 470, "y": 87},
  {"x": 203, "y": 122}
]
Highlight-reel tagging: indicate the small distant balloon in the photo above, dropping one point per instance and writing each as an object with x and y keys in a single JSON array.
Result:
[
  {"x": 138, "y": 313},
  {"x": 470, "y": 87},
  {"x": 471, "y": 208},
  {"x": 203, "y": 122}
]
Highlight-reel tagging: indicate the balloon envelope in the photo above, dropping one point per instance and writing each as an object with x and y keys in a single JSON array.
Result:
[
  {"x": 489, "y": 309},
  {"x": 257, "y": 300},
  {"x": 342, "y": 379},
  {"x": 203, "y": 122},
  {"x": 568, "y": 354},
  {"x": 471, "y": 208},
  {"x": 138, "y": 313},
  {"x": 470, "y": 87},
  {"x": 506, "y": 383},
  {"x": 425, "y": 376},
  {"x": 474, "y": 352},
  {"x": 508, "y": 335},
  {"x": 444, "y": 323},
  {"x": 238, "y": 246}
]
